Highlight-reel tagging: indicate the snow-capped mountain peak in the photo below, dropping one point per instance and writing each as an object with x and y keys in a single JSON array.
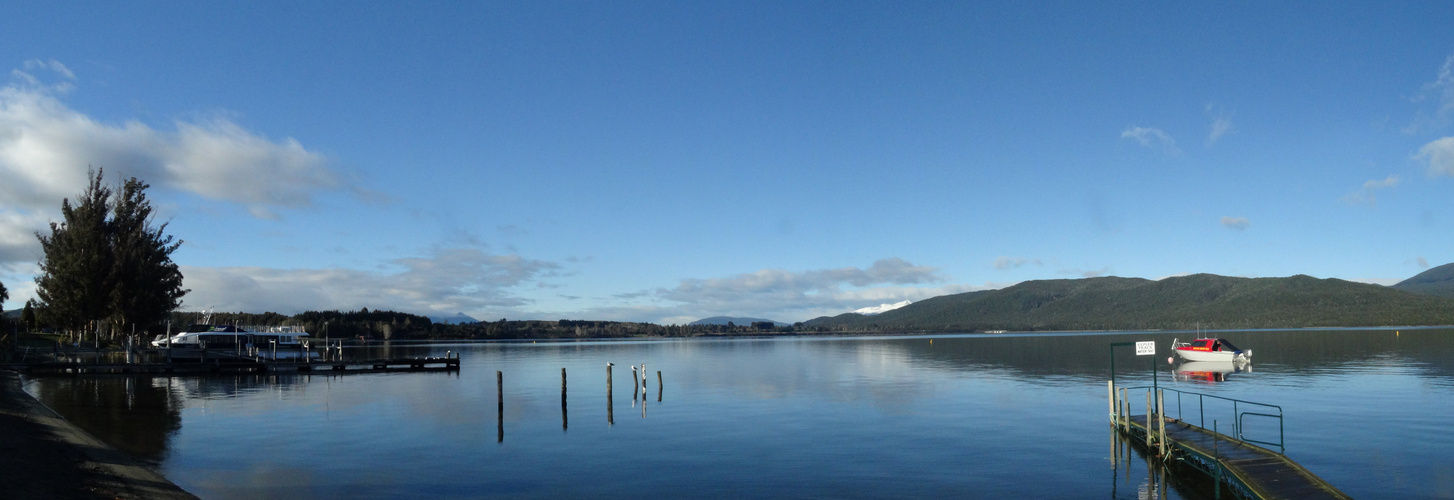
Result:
[{"x": 872, "y": 310}]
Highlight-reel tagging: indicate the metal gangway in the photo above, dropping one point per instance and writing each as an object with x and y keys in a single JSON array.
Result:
[{"x": 1244, "y": 464}]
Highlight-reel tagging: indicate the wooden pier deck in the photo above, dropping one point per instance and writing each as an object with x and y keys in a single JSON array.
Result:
[{"x": 1250, "y": 470}]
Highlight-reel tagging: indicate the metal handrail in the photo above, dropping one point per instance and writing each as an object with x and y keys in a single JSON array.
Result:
[
  {"x": 1236, "y": 412},
  {"x": 1279, "y": 443}
]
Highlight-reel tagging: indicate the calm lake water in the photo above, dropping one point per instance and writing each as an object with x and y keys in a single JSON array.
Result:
[{"x": 991, "y": 416}]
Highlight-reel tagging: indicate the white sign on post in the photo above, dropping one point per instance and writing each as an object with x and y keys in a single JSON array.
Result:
[{"x": 1145, "y": 348}]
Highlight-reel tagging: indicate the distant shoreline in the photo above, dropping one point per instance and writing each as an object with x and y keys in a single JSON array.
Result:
[{"x": 863, "y": 333}]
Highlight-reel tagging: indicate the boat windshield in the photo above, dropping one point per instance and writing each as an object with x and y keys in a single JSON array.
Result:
[{"x": 1227, "y": 346}]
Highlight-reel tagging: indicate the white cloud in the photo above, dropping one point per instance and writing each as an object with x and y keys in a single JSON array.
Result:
[
  {"x": 17, "y": 237},
  {"x": 1440, "y": 155},
  {"x": 1003, "y": 263},
  {"x": 781, "y": 295},
  {"x": 1444, "y": 87},
  {"x": 1152, "y": 138},
  {"x": 1238, "y": 223},
  {"x": 52, "y": 65},
  {"x": 448, "y": 281},
  {"x": 47, "y": 147},
  {"x": 1093, "y": 273},
  {"x": 1368, "y": 195},
  {"x": 1441, "y": 91},
  {"x": 1221, "y": 124}
]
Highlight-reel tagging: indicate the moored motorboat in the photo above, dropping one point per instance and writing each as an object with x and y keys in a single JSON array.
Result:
[
  {"x": 1209, "y": 350},
  {"x": 266, "y": 341}
]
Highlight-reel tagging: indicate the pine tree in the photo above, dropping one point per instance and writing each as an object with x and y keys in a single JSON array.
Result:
[
  {"x": 146, "y": 284},
  {"x": 74, "y": 280},
  {"x": 27, "y": 316},
  {"x": 107, "y": 261}
]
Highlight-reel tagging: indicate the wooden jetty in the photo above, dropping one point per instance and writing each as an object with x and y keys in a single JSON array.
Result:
[{"x": 1238, "y": 463}]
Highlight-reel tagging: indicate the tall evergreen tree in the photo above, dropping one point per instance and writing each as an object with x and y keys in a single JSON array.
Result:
[
  {"x": 27, "y": 316},
  {"x": 107, "y": 261},
  {"x": 146, "y": 283},
  {"x": 74, "y": 282},
  {"x": 3, "y": 294}
]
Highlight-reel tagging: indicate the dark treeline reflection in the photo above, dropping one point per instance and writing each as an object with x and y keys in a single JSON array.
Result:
[
  {"x": 135, "y": 415},
  {"x": 139, "y": 415},
  {"x": 1088, "y": 355}
]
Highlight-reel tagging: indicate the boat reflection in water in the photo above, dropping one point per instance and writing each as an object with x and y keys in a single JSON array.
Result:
[{"x": 1209, "y": 371}]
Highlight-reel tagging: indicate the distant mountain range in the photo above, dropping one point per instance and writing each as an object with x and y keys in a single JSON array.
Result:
[
  {"x": 1208, "y": 300},
  {"x": 1437, "y": 281},
  {"x": 454, "y": 319},
  {"x": 722, "y": 320}
]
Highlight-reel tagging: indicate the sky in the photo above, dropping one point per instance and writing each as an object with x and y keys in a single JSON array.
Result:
[{"x": 670, "y": 161}]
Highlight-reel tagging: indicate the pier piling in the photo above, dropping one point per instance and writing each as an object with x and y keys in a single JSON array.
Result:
[
  {"x": 1125, "y": 407},
  {"x": 1161, "y": 417},
  {"x": 1148, "y": 419},
  {"x": 563, "y": 420},
  {"x": 500, "y": 400}
]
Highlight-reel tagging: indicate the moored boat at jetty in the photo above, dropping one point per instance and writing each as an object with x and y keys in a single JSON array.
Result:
[
  {"x": 1209, "y": 350},
  {"x": 285, "y": 341}
]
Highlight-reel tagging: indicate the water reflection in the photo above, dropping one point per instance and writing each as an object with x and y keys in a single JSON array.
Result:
[
  {"x": 802, "y": 417},
  {"x": 136, "y": 415},
  {"x": 1209, "y": 371}
]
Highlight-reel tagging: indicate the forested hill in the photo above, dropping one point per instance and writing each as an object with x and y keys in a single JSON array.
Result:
[
  {"x": 1436, "y": 281},
  {"x": 1184, "y": 302}
]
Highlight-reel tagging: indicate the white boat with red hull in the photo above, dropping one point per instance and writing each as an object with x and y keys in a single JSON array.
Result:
[{"x": 1210, "y": 350}]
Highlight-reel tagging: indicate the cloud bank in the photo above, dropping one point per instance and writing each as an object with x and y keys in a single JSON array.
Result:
[
  {"x": 46, "y": 149},
  {"x": 783, "y": 295},
  {"x": 447, "y": 281}
]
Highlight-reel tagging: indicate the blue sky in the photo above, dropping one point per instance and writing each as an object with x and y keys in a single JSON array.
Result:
[{"x": 670, "y": 161}]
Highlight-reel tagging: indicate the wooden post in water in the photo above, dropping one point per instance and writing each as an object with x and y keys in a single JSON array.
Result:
[
  {"x": 658, "y": 386},
  {"x": 563, "y": 420},
  {"x": 1148, "y": 420},
  {"x": 1125, "y": 412},
  {"x": 1161, "y": 419},
  {"x": 635, "y": 389},
  {"x": 500, "y": 400},
  {"x": 610, "y": 419}
]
